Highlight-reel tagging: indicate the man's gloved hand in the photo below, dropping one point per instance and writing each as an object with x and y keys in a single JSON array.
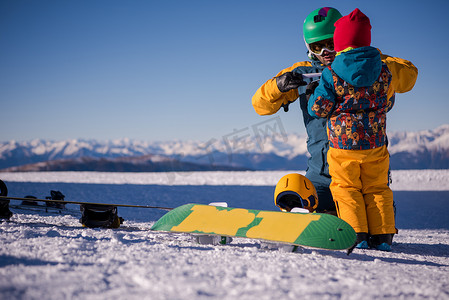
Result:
[
  {"x": 289, "y": 81},
  {"x": 311, "y": 88}
]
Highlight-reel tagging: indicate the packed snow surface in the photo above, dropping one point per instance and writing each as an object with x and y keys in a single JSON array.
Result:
[{"x": 51, "y": 256}]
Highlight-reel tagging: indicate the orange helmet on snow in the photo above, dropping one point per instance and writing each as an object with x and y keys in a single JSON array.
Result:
[{"x": 295, "y": 190}]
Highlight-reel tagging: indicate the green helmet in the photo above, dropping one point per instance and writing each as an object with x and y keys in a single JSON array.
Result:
[{"x": 319, "y": 24}]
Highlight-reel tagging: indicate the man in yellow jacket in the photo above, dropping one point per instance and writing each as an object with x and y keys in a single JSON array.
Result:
[{"x": 290, "y": 84}]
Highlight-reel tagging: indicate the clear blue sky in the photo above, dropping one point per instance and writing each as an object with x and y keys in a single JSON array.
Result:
[{"x": 163, "y": 70}]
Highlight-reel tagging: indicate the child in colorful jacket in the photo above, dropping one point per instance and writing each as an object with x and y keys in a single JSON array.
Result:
[
  {"x": 271, "y": 96},
  {"x": 354, "y": 94}
]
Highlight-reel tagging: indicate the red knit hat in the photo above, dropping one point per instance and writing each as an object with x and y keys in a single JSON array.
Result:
[{"x": 353, "y": 30}]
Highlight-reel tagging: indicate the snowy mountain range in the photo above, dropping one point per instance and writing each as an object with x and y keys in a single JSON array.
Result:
[{"x": 428, "y": 149}]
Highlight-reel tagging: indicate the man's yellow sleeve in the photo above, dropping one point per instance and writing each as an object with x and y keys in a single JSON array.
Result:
[
  {"x": 268, "y": 99},
  {"x": 404, "y": 74}
]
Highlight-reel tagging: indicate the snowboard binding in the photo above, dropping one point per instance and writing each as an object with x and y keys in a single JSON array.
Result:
[
  {"x": 100, "y": 216},
  {"x": 55, "y": 195}
]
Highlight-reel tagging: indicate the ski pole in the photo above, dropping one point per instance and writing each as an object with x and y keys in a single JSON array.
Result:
[{"x": 83, "y": 203}]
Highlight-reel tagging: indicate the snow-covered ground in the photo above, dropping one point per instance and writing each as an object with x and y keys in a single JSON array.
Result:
[
  {"x": 403, "y": 180},
  {"x": 50, "y": 256}
]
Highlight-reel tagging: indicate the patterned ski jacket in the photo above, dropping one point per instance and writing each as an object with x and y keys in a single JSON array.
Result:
[{"x": 354, "y": 95}]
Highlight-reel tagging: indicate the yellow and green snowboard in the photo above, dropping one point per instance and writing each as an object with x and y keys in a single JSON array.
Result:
[{"x": 302, "y": 229}]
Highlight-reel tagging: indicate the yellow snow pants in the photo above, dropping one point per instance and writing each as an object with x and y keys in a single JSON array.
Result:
[{"x": 360, "y": 189}]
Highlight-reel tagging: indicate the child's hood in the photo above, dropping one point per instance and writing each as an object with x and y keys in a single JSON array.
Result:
[{"x": 359, "y": 67}]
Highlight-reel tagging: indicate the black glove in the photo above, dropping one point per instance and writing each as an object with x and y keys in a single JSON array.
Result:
[
  {"x": 311, "y": 88},
  {"x": 289, "y": 81}
]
